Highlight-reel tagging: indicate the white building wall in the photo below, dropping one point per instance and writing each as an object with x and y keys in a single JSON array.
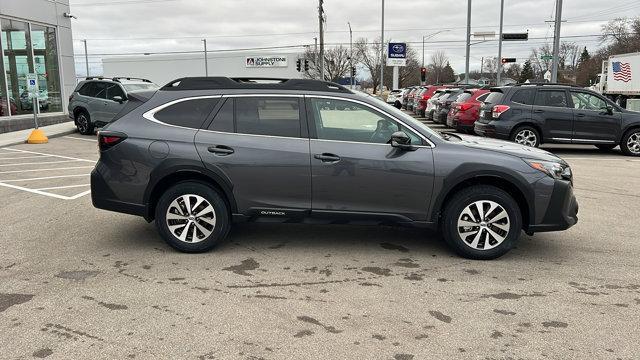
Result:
[{"x": 162, "y": 69}]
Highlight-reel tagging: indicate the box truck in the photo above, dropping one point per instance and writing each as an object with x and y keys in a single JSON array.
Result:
[{"x": 620, "y": 78}]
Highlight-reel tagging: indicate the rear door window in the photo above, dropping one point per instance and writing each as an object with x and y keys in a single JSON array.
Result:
[
  {"x": 99, "y": 90},
  {"x": 523, "y": 96},
  {"x": 268, "y": 116},
  {"x": 188, "y": 113},
  {"x": 554, "y": 98}
]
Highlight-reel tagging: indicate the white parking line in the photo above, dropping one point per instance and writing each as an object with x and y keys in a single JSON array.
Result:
[
  {"x": 610, "y": 158},
  {"x": 43, "y": 178},
  {"x": 46, "y": 193},
  {"x": 39, "y": 163},
  {"x": 22, "y": 157},
  {"x": 77, "y": 138},
  {"x": 50, "y": 169},
  {"x": 63, "y": 187},
  {"x": 59, "y": 156}
]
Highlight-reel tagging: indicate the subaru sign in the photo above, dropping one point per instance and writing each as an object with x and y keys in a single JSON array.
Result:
[{"x": 397, "y": 54}]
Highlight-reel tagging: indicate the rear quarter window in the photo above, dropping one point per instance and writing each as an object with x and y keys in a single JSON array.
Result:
[
  {"x": 188, "y": 113},
  {"x": 523, "y": 96},
  {"x": 494, "y": 97}
]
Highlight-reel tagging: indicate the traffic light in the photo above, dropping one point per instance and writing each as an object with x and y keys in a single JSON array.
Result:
[
  {"x": 306, "y": 65},
  {"x": 508, "y": 60},
  {"x": 298, "y": 64},
  {"x": 353, "y": 71},
  {"x": 423, "y": 74}
]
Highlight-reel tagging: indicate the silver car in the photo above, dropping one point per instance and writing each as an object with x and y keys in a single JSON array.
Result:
[{"x": 96, "y": 100}]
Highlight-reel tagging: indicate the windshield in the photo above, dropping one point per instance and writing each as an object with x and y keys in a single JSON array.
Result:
[
  {"x": 400, "y": 114},
  {"x": 140, "y": 87},
  {"x": 463, "y": 97}
]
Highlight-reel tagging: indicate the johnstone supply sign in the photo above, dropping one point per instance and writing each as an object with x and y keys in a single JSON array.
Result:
[
  {"x": 397, "y": 54},
  {"x": 265, "y": 61}
]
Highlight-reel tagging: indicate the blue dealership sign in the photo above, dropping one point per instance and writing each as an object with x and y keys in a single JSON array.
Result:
[{"x": 397, "y": 51}]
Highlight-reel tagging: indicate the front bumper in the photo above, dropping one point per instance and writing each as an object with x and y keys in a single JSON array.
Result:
[{"x": 562, "y": 210}]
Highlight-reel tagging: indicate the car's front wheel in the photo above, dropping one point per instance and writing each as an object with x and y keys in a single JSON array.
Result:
[
  {"x": 192, "y": 217},
  {"x": 481, "y": 222},
  {"x": 630, "y": 144},
  {"x": 526, "y": 135}
]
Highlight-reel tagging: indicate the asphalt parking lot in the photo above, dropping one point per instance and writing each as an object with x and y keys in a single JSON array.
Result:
[{"x": 77, "y": 282}]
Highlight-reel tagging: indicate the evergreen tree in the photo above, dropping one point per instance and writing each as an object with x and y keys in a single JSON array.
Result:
[
  {"x": 527, "y": 72},
  {"x": 584, "y": 57},
  {"x": 448, "y": 75}
]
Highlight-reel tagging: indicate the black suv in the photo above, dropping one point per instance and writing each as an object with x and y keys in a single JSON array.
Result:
[
  {"x": 532, "y": 114},
  {"x": 202, "y": 153}
]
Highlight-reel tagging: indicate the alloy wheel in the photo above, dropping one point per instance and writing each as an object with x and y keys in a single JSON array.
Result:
[
  {"x": 526, "y": 137},
  {"x": 633, "y": 143},
  {"x": 82, "y": 123},
  {"x": 191, "y": 218},
  {"x": 483, "y": 225}
]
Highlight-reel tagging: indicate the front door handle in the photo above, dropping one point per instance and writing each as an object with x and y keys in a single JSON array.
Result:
[
  {"x": 327, "y": 157},
  {"x": 581, "y": 115},
  {"x": 538, "y": 111},
  {"x": 220, "y": 150}
]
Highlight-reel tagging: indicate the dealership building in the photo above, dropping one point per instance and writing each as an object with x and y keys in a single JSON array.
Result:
[
  {"x": 36, "y": 38},
  {"x": 161, "y": 69}
]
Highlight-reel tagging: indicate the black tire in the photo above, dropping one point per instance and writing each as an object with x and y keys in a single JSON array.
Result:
[
  {"x": 459, "y": 202},
  {"x": 397, "y": 104},
  {"x": 515, "y": 135},
  {"x": 83, "y": 123},
  {"x": 606, "y": 147},
  {"x": 219, "y": 231},
  {"x": 628, "y": 137}
]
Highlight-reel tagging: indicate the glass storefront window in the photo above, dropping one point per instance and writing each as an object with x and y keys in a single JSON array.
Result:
[
  {"x": 18, "y": 61},
  {"x": 28, "y": 49},
  {"x": 45, "y": 54}
]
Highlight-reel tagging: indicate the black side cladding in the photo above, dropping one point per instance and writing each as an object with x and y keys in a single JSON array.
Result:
[{"x": 133, "y": 101}]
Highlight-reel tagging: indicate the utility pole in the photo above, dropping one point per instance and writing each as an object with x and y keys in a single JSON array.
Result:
[
  {"x": 382, "y": 59},
  {"x": 466, "y": 64},
  {"x": 556, "y": 42},
  {"x": 498, "y": 75},
  {"x": 350, "y": 54},
  {"x": 482, "y": 67},
  {"x": 86, "y": 56},
  {"x": 321, "y": 25},
  {"x": 206, "y": 64}
]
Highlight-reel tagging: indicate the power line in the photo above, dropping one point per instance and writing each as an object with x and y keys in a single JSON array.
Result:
[{"x": 121, "y": 2}]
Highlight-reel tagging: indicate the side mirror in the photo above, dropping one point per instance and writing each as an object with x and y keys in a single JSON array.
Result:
[
  {"x": 401, "y": 140},
  {"x": 607, "y": 110},
  {"x": 118, "y": 99}
]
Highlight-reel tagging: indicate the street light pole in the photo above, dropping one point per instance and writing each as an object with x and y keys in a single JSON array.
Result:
[
  {"x": 556, "y": 42},
  {"x": 350, "y": 54},
  {"x": 206, "y": 63},
  {"x": 498, "y": 75},
  {"x": 382, "y": 59},
  {"x": 86, "y": 56},
  {"x": 466, "y": 64}
]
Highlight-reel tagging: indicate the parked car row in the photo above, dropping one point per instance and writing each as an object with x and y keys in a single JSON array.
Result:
[{"x": 530, "y": 114}]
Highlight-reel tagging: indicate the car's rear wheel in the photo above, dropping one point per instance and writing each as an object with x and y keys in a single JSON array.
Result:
[
  {"x": 192, "y": 217},
  {"x": 606, "y": 147},
  {"x": 630, "y": 144},
  {"x": 526, "y": 135},
  {"x": 481, "y": 222},
  {"x": 83, "y": 123}
]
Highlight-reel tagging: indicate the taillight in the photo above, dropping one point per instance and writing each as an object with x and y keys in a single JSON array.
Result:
[
  {"x": 464, "y": 107},
  {"x": 70, "y": 97},
  {"x": 426, "y": 97},
  {"x": 107, "y": 140},
  {"x": 498, "y": 110}
]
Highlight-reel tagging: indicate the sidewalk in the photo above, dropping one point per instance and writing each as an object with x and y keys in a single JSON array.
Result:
[{"x": 19, "y": 137}]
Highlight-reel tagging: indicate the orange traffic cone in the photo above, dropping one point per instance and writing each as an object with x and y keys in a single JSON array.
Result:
[{"x": 37, "y": 136}]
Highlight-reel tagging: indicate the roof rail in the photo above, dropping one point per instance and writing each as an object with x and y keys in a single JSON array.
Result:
[
  {"x": 94, "y": 78},
  {"x": 546, "y": 83},
  {"x": 118, "y": 78},
  {"x": 213, "y": 83}
]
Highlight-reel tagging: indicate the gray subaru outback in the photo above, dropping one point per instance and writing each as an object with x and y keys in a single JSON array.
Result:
[
  {"x": 96, "y": 100},
  {"x": 203, "y": 153}
]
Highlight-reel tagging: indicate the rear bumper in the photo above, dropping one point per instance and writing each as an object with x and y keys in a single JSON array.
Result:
[
  {"x": 103, "y": 198},
  {"x": 490, "y": 130},
  {"x": 562, "y": 211}
]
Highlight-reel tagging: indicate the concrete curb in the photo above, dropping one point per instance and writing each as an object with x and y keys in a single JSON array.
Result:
[{"x": 23, "y": 140}]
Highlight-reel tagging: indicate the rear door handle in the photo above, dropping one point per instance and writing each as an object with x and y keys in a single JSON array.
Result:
[
  {"x": 220, "y": 150},
  {"x": 538, "y": 111},
  {"x": 327, "y": 157},
  {"x": 581, "y": 115}
]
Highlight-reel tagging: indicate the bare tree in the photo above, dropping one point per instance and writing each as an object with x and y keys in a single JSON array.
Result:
[
  {"x": 336, "y": 63},
  {"x": 439, "y": 60},
  {"x": 369, "y": 56}
]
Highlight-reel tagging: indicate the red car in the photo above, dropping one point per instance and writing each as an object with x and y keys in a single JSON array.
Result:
[
  {"x": 466, "y": 110},
  {"x": 421, "y": 102}
]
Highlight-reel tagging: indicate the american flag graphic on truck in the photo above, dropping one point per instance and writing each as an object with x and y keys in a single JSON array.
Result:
[{"x": 621, "y": 71}]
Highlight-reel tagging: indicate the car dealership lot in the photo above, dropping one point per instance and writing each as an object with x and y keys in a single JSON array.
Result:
[{"x": 77, "y": 282}]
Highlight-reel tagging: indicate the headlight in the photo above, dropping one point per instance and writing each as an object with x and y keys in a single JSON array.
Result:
[{"x": 553, "y": 169}]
